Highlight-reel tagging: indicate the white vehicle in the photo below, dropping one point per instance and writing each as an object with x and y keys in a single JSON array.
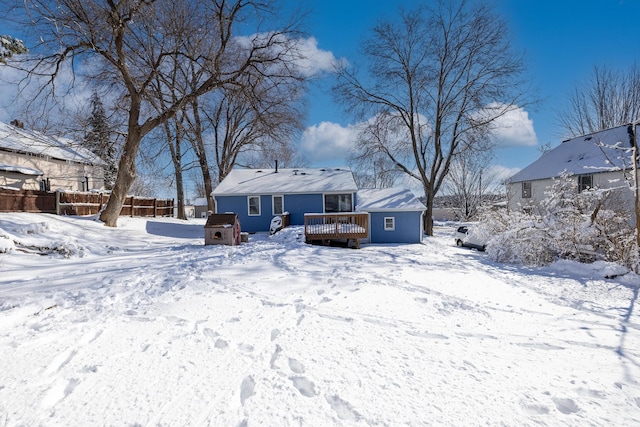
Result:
[{"x": 465, "y": 237}]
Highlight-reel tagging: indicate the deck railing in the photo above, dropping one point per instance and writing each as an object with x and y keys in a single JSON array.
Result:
[{"x": 346, "y": 225}]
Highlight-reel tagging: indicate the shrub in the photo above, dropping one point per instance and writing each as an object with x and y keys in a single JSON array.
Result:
[{"x": 583, "y": 226}]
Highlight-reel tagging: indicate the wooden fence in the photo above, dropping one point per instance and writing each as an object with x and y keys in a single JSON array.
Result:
[{"x": 79, "y": 203}]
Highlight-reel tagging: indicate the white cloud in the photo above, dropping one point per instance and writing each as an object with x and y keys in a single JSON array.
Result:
[
  {"x": 304, "y": 52},
  {"x": 515, "y": 129},
  {"x": 327, "y": 142},
  {"x": 315, "y": 61}
]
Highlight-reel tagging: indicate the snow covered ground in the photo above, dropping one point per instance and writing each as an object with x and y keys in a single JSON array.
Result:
[{"x": 144, "y": 325}]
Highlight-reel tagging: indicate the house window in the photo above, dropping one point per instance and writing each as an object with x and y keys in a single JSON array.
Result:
[
  {"x": 585, "y": 182},
  {"x": 254, "y": 205},
  {"x": 337, "y": 203},
  {"x": 389, "y": 223},
  {"x": 526, "y": 190},
  {"x": 278, "y": 205}
]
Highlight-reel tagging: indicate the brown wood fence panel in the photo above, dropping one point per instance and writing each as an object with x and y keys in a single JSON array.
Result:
[
  {"x": 78, "y": 203},
  {"x": 27, "y": 201},
  {"x": 75, "y": 203}
]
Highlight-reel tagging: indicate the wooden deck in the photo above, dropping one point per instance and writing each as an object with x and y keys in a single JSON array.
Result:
[{"x": 341, "y": 226}]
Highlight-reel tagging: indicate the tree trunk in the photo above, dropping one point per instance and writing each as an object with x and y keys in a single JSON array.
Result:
[
  {"x": 636, "y": 193},
  {"x": 176, "y": 158},
  {"x": 126, "y": 168},
  {"x": 126, "y": 176},
  {"x": 202, "y": 155},
  {"x": 428, "y": 215},
  {"x": 180, "y": 194},
  {"x": 179, "y": 180}
]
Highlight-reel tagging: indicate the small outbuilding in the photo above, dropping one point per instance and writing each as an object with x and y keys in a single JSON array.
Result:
[
  {"x": 395, "y": 215},
  {"x": 222, "y": 229}
]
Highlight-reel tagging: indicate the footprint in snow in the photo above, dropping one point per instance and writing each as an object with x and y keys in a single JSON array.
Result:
[
  {"x": 247, "y": 348},
  {"x": 306, "y": 387},
  {"x": 296, "y": 366},
  {"x": 343, "y": 410},
  {"x": 247, "y": 389},
  {"x": 221, "y": 344},
  {"x": 274, "y": 357},
  {"x": 534, "y": 409},
  {"x": 210, "y": 333},
  {"x": 566, "y": 406}
]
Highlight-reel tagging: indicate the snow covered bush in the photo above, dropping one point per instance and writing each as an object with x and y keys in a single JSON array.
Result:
[
  {"x": 517, "y": 237},
  {"x": 584, "y": 226}
]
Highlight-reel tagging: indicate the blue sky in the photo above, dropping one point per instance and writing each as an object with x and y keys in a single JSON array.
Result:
[{"x": 561, "y": 40}]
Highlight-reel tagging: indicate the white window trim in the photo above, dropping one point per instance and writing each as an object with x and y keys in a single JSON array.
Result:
[
  {"x": 273, "y": 204},
  {"x": 393, "y": 223},
  {"x": 249, "y": 205}
]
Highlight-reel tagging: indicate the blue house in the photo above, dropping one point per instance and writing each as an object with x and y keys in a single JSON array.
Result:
[
  {"x": 257, "y": 195},
  {"x": 395, "y": 215}
]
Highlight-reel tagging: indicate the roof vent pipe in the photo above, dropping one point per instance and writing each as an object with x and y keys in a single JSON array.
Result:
[{"x": 276, "y": 165}]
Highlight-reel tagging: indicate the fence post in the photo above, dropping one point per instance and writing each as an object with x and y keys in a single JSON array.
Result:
[
  {"x": 57, "y": 202},
  {"x": 132, "y": 197},
  {"x": 155, "y": 208}
]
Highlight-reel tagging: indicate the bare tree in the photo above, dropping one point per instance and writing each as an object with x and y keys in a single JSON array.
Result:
[
  {"x": 608, "y": 98},
  {"x": 261, "y": 122},
  {"x": 249, "y": 124},
  {"x": 470, "y": 183},
  {"x": 134, "y": 41},
  {"x": 373, "y": 167},
  {"x": 375, "y": 171},
  {"x": 438, "y": 79}
]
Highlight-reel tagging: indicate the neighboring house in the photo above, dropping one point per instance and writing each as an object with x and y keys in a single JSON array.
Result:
[
  {"x": 200, "y": 207},
  {"x": 395, "y": 215},
  {"x": 257, "y": 195},
  {"x": 597, "y": 160},
  {"x": 31, "y": 160}
]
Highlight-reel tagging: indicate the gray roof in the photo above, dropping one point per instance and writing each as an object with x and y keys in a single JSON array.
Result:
[
  {"x": 26, "y": 141},
  {"x": 286, "y": 181},
  {"x": 602, "y": 151}
]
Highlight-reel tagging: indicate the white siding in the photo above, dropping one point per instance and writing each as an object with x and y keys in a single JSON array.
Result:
[
  {"x": 602, "y": 180},
  {"x": 62, "y": 175}
]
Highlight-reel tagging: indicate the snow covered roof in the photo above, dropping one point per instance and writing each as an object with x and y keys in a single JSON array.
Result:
[
  {"x": 26, "y": 141},
  {"x": 387, "y": 199},
  {"x": 286, "y": 181},
  {"x": 601, "y": 151},
  {"x": 20, "y": 169}
]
